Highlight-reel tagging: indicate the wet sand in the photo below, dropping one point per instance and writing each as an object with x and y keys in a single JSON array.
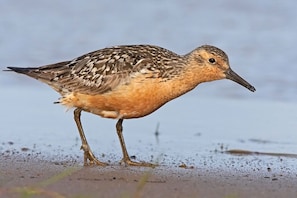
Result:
[{"x": 30, "y": 174}]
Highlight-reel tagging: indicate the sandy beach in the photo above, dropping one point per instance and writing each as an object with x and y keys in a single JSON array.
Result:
[{"x": 29, "y": 174}]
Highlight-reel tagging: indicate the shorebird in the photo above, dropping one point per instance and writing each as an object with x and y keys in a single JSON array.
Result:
[{"x": 130, "y": 81}]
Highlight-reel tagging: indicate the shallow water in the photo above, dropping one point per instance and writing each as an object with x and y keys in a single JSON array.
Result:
[{"x": 259, "y": 37}]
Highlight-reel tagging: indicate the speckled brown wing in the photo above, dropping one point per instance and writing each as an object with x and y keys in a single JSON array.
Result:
[{"x": 103, "y": 70}]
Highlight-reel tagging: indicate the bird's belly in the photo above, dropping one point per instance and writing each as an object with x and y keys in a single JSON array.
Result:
[{"x": 127, "y": 101}]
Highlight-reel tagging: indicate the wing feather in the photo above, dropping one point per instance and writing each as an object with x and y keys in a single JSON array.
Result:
[{"x": 101, "y": 71}]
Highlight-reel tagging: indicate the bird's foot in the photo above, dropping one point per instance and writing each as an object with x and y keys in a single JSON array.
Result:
[
  {"x": 89, "y": 157},
  {"x": 129, "y": 162}
]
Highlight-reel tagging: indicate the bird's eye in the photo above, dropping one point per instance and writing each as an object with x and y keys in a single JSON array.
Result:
[{"x": 212, "y": 60}]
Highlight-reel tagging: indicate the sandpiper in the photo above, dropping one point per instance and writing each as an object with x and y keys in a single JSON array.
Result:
[{"x": 130, "y": 81}]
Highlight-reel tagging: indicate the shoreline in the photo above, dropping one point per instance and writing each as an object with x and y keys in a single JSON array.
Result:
[{"x": 40, "y": 176}]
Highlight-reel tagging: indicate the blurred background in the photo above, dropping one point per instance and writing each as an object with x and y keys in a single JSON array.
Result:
[{"x": 260, "y": 38}]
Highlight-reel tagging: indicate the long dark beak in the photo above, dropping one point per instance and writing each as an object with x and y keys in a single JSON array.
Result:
[{"x": 231, "y": 75}]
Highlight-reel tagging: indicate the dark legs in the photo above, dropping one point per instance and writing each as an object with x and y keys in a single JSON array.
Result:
[
  {"x": 89, "y": 158},
  {"x": 126, "y": 159}
]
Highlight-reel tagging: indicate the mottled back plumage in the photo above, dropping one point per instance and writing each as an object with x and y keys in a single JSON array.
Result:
[{"x": 103, "y": 70}]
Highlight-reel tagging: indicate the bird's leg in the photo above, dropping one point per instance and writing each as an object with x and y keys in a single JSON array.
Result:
[
  {"x": 126, "y": 159},
  {"x": 89, "y": 158}
]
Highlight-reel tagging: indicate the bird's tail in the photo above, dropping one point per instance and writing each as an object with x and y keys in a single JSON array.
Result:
[
  {"x": 44, "y": 73},
  {"x": 47, "y": 74},
  {"x": 23, "y": 70}
]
